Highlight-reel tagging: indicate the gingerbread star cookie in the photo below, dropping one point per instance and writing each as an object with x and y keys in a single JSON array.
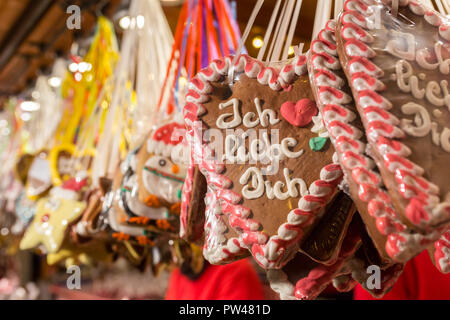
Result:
[
  {"x": 54, "y": 216},
  {"x": 397, "y": 67},
  {"x": 75, "y": 254},
  {"x": 251, "y": 140}
]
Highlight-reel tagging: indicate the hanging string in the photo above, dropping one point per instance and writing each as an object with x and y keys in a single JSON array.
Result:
[
  {"x": 276, "y": 34},
  {"x": 173, "y": 62},
  {"x": 205, "y": 31},
  {"x": 292, "y": 29},
  {"x": 446, "y": 4},
  {"x": 443, "y": 6},
  {"x": 338, "y": 7},
  {"x": 394, "y": 7},
  {"x": 284, "y": 26},
  {"x": 183, "y": 50},
  {"x": 250, "y": 23},
  {"x": 269, "y": 31},
  {"x": 428, "y": 3},
  {"x": 234, "y": 33}
]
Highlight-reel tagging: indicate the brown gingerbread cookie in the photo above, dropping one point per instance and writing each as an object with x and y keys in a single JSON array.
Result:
[
  {"x": 324, "y": 242},
  {"x": 303, "y": 278},
  {"x": 346, "y": 132},
  {"x": 398, "y": 70},
  {"x": 357, "y": 260},
  {"x": 88, "y": 226},
  {"x": 192, "y": 215},
  {"x": 250, "y": 136}
]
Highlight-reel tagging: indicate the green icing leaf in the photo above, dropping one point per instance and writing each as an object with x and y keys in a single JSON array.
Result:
[{"x": 317, "y": 143}]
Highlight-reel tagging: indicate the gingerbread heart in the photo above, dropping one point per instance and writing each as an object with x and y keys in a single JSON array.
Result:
[
  {"x": 299, "y": 114},
  {"x": 267, "y": 188},
  {"x": 129, "y": 217},
  {"x": 398, "y": 71},
  {"x": 440, "y": 253}
]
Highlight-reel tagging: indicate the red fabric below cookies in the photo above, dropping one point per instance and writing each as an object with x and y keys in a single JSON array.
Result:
[
  {"x": 420, "y": 280},
  {"x": 234, "y": 281}
]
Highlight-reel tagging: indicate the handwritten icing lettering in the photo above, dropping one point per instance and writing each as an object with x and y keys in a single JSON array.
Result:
[
  {"x": 255, "y": 186},
  {"x": 400, "y": 40},
  {"x": 436, "y": 93},
  {"x": 265, "y": 116},
  {"x": 260, "y": 149},
  {"x": 422, "y": 125},
  {"x": 250, "y": 119},
  {"x": 406, "y": 81},
  {"x": 395, "y": 45},
  {"x": 423, "y": 55},
  {"x": 235, "y": 151},
  {"x": 221, "y": 123},
  {"x": 445, "y": 139}
]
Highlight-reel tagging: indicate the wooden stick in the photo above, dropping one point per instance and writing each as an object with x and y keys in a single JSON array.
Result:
[
  {"x": 292, "y": 29},
  {"x": 250, "y": 23},
  {"x": 269, "y": 31},
  {"x": 338, "y": 6},
  {"x": 318, "y": 18},
  {"x": 276, "y": 34},
  {"x": 394, "y": 8}
]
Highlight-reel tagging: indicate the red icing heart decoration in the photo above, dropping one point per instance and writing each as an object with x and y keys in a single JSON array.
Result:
[{"x": 299, "y": 114}]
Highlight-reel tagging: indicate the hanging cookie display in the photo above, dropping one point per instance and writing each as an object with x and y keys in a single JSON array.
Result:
[
  {"x": 250, "y": 136},
  {"x": 148, "y": 190},
  {"x": 397, "y": 65}
]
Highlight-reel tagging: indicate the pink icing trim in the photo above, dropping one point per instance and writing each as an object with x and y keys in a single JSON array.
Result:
[
  {"x": 442, "y": 252},
  {"x": 186, "y": 195}
]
